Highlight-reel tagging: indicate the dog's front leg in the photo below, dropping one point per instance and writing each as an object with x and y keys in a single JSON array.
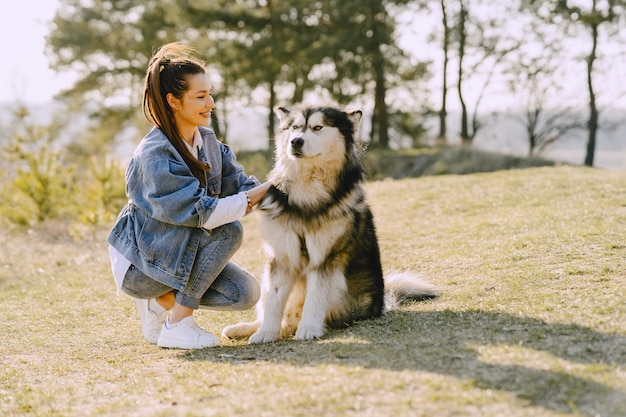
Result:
[
  {"x": 293, "y": 309},
  {"x": 278, "y": 289},
  {"x": 323, "y": 291}
]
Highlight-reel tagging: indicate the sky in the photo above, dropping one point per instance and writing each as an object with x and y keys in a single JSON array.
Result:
[{"x": 24, "y": 73}]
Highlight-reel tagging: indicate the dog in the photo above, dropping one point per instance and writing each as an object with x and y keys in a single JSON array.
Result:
[{"x": 324, "y": 266}]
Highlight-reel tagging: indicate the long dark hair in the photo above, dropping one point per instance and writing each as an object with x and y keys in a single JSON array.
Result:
[{"x": 167, "y": 73}]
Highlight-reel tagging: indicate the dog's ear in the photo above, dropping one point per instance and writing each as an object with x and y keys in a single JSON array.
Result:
[
  {"x": 355, "y": 117},
  {"x": 282, "y": 113}
]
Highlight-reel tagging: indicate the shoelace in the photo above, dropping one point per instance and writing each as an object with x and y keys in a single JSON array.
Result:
[{"x": 163, "y": 316}]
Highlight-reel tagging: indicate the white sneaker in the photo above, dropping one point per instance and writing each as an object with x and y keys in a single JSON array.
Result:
[
  {"x": 186, "y": 335},
  {"x": 150, "y": 320}
]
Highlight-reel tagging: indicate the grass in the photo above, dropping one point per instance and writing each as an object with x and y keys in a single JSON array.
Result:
[{"x": 531, "y": 321}]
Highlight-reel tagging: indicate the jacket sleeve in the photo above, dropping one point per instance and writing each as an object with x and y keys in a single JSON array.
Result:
[
  {"x": 234, "y": 179},
  {"x": 173, "y": 195}
]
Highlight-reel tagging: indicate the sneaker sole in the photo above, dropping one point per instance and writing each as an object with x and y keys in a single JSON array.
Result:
[{"x": 176, "y": 344}]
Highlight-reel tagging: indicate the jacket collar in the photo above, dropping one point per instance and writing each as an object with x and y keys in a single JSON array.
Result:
[{"x": 197, "y": 143}]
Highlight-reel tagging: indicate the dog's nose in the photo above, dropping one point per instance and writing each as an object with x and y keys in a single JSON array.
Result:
[{"x": 297, "y": 143}]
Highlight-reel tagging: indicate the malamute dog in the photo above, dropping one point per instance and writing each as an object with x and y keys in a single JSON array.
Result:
[{"x": 324, "y": 268}]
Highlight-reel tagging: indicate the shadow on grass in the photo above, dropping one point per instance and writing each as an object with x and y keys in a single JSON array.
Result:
[{"x": 450, "y": 342}]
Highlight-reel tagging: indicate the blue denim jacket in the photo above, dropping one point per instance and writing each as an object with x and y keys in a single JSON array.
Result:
[{"x": 159, "y": 229}]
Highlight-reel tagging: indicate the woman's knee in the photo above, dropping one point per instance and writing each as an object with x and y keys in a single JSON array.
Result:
[
  {"x": 139, "y": 285},
  {"x": 252, "y": 294},
  {"x": 234, "y": 231},
  {"x": 232, "y": 292}
]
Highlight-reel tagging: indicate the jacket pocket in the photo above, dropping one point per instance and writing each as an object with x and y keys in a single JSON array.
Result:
[
  {"x": 150, "y": 239},
  {"x": 214, "y": 186}
]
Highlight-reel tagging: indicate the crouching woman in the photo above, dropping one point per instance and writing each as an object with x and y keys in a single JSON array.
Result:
[{"x": 172, "y": 243}]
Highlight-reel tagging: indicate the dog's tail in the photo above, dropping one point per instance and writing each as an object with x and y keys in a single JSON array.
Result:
[{"x": 403, "y": 286}]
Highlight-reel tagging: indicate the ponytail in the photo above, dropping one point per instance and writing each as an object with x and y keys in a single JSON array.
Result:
[{"x": 167, "y": 73}]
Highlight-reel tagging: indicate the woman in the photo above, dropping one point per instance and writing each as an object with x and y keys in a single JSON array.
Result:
[{"x": 172, "y": 243}]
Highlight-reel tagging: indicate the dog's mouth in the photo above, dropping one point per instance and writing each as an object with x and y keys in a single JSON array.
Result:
[{"x": 298, "y": 154}]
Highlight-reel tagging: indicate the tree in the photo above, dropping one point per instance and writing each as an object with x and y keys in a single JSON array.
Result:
[
  {"x": 442, "y": 35},
  {"x": 345, "y": 47},
  {"x": 474, "y": 36},
  {"x": 276, "y": 45},
  {"x": 365, "y": 60},
  {"x": 482, "y": 44},
  {"x": 261, "y": 43},
  {"x": 533, "y": 75},
  {"x": 108, "y": 43},
  {"x": 599, "y": 15},
  {"x": 443, "y": 113},
  {"x": 38, "y": 171}
]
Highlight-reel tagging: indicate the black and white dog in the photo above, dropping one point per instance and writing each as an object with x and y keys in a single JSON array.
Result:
[{"x": 324, "y": 268}]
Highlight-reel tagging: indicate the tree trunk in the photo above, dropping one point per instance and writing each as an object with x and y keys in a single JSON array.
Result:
[
  {"x": 592, "y": 124},
  {"x": 222, "y": 134},
  {"x": 441, "y": 139},
  {"x": 374, "y": 128},
  {"x": 380, "y": 107},
  {"x": 532, "y": 120},
  {"x": 215, "y": 125},
  {"x": 465, "y": 136},
  {"x": 298, "y": 94},
  {"x": 272, "y": 100},
  {"x": 270, "y": 121}
]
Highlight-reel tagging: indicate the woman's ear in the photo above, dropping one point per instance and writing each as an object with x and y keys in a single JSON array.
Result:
[{"x": 172, "y": 101}]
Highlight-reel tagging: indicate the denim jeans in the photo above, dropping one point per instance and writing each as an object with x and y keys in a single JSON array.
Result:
[{"x": 215, "y": 283}]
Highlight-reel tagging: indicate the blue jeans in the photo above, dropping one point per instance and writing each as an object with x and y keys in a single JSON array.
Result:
[{"x": 215, "y": 283}]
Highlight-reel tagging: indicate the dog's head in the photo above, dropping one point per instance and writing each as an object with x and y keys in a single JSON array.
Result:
[{"x": 316, "y": 134}]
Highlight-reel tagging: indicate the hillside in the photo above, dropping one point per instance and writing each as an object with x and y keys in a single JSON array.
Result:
[
  {"x": 531, "y": 321},
  {"x": 412, "y": 163},
  {"x": 443, "y": 160}
]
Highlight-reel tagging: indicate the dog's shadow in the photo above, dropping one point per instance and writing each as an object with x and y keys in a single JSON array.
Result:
[{"x": 461, "y": 344}]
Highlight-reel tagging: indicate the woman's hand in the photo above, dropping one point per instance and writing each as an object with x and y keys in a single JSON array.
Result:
[{"x": 255, "y": 195}]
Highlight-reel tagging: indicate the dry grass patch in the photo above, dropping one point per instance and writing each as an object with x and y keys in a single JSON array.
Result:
[{"x": 531, "y": 322}]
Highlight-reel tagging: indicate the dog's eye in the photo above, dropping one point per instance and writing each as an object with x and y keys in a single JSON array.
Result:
[
  {"x": 317, "y": 128},
  {"x": 295, "y": 127}
]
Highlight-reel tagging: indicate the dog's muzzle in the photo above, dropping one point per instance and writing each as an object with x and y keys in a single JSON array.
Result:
[{"x": 296, "y": 146}]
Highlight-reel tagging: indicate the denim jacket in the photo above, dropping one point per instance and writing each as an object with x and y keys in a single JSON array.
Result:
[{"x": 159, "y": 229}]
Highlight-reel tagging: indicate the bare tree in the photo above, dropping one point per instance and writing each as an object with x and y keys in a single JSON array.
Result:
[
  {"x": 482, "y": 44},
  {"x": 443, "y": 113},
  {"x": 533, "y": 72},
  {"x": 601, "y": 17}
]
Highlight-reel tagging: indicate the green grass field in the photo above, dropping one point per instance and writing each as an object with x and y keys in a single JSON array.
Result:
[{"x": 531, "y": 320}]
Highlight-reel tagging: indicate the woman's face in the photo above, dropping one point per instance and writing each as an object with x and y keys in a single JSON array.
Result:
[{"x": 195, "y": 106}]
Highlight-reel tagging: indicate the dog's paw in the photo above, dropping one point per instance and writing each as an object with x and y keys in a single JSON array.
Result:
[
  {"x": 287, "y": 331},
  {"x": 240, "y": 330},
  {"x": 263, "y": 337},
  {"x": 309, "y": 333}
]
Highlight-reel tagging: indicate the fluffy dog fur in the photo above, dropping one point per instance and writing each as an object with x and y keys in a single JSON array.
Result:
[{"x": 324, "y": 269}]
